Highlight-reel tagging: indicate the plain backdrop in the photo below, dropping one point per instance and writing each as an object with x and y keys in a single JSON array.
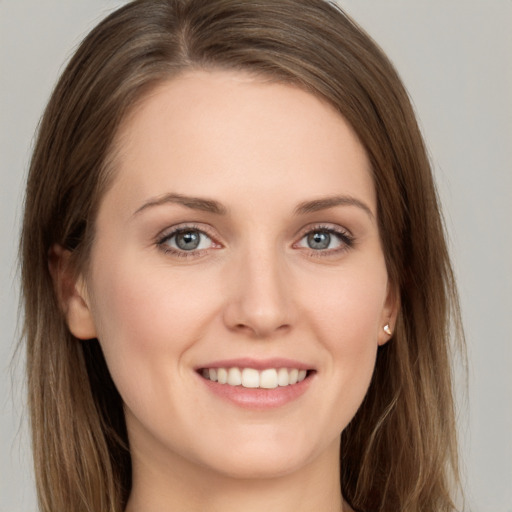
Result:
[{"x": 455, "y": 57}]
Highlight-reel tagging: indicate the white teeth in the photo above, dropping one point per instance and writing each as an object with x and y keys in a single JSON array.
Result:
[
  {"x": 222, "y": 375},
  {"x": 250, "y": 378},
  {"x": 282, "y": 377},
  {"x": 234, "y": 377},
  {"x": 269, "y": 378}
]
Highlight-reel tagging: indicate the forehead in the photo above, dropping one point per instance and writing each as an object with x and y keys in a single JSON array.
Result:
[{"x": 203, "y": 132}]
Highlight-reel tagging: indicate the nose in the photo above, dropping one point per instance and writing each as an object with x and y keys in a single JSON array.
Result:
[{"x": 259, "y": 300}]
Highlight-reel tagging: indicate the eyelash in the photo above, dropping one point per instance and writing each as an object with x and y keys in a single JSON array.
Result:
[
  {"x": 163, "y": 240},
  {"x": 345, "y": 238}
]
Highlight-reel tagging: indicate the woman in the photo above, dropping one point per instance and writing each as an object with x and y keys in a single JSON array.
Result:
[{"x": 237, "y": 290}]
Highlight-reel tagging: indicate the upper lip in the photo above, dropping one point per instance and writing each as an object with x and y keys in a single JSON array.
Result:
[{"x": 257, "y": 364}]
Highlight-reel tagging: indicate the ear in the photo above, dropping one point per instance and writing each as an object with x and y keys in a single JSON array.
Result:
[
  {"x": 389, "y": 315},
  {"x": 71, "y": 293}
]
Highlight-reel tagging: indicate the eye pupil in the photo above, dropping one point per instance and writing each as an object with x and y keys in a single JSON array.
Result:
[
  {"x": 319, "y": 240},
  {"x": 188, "y": 240}
]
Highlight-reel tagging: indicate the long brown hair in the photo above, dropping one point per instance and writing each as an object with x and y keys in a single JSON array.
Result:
[{"x": 399, "y": 452}]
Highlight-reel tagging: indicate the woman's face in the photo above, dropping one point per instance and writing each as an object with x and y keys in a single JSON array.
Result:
[{"x": 238, "y": 241}]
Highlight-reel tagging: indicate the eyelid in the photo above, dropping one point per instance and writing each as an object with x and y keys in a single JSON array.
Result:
[
  {"x": 325, "y": 226},
  {"x": 184, "y": 226}
]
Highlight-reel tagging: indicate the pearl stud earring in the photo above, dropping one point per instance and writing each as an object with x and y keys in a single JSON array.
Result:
[{"x": 387, "y": 330}]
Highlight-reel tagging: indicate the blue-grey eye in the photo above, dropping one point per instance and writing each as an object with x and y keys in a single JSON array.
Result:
[
  {"x": 319, "y": 240},
  {"x": 322, "y": 239},
  {"x": 189, "y": 240}
]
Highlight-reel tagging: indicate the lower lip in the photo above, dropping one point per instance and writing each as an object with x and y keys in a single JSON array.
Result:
[{"x": 258, "y": 398}]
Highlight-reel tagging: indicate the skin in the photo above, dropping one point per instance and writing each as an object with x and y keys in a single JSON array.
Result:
[{"x": 253, "y": 289}]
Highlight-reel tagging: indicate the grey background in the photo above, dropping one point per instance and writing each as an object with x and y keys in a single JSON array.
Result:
[{"x": 455, "y": 57}]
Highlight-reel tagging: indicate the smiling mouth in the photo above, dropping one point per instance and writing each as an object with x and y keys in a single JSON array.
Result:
[{"x": 269, "y": 378}]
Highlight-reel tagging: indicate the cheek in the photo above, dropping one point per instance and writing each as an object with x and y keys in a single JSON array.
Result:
[
  {"x": 347, "y": 317},
  {"x": 144, "y": 305},
  {"x": 350, "y": 306},
  {"x": 147, "y": 318}
]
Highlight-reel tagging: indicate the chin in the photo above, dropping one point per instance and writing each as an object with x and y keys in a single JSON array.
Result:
[
  {"x": 265, "y": 458},
  {"x": 262, "y": 466}
]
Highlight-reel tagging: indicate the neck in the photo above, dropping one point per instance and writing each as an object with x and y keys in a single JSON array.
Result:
[{"x": 182, "y": 485}]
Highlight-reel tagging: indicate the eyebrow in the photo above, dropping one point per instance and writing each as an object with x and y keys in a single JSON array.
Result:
[
  {"x": 194, "y": 203},
  {"x": 212, "y": 206},
  {"x": 330, "y": 202}
]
